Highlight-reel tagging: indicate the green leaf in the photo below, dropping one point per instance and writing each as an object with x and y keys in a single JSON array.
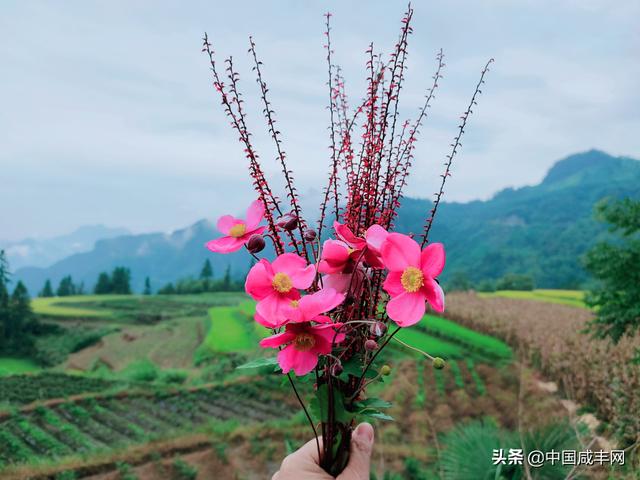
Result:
[
  {"x": 259, "y": 362},
  {"x": 320, "y": 405},
  {"x": 372, "y": 403},
  {"x": 373, "y": 413}
]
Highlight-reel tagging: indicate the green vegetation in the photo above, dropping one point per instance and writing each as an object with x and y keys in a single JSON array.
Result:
[
  {"x": 478, "y": 343},
  {"x": 468, "y": 451},
  {"x": 573, "y": 298},
  {"x": 615, "y": 266},
  {"x": 11, "y": 366},
  {"x": 116, "y": 420},
  {"x": 67, "y": 287},
  {"x": 118, "y": 283},
  {"x": 232, "y": 330}
]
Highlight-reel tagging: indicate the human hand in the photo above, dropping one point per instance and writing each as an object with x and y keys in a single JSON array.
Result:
[{"x": 304, "y": 463}]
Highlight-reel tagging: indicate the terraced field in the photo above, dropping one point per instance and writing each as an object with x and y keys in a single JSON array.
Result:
[
  {"x": 573, "y": 298},
  {"x": 90, "y": 425}
]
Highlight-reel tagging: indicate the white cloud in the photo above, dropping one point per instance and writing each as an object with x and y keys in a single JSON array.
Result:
[{"x": 109, "y": 116}]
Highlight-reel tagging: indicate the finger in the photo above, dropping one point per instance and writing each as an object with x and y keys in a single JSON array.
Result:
[
  {"x": 304, "y": 456},
  {"x": 360, "y": 458}
]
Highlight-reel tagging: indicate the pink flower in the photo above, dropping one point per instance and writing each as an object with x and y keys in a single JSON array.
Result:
[
  {"x": 275, "y": 285},
  {"x": 411, "y": 278},
  {"x": 311, "y": 307},
  {"x": 340, "y": 256},
  {"x": 237, "y": 231},
  {"x": 304, "y": 343}
]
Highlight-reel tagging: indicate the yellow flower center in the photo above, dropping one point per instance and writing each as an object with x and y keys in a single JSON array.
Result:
[
  {"x": 238, "y": 230},
  {"x": 282, "y": 282},
  {"x": 304, "y": 342},
  {"x": 294, "y": 303},
  {"x": 412, "y": 279},
  {"x": 350, "y": 250}
]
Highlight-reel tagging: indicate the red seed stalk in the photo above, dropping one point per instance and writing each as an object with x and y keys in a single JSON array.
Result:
[{"x": 371, "y": 153}]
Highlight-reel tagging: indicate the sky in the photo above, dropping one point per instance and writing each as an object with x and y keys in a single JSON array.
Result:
[{"x": 108, "y": 116}]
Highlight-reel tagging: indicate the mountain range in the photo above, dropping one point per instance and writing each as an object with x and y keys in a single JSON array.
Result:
[
  {"x": 541, "y": 230},
  {"x": 43, "y": 252}
]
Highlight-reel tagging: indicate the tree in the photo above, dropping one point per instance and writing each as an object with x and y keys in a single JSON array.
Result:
[
  {"x": 515, "y": 281},
  {"x": 4, "y": 298},
  {"x": 121, "y": 281},
  {"x": 20, "y": 311},
  {"x": 66, "y": 287},
  {"x": 616, "y": 297},
  {"x": 168, "y": 289},
  {"x": 147, "y": 286},
  {"x": 206, "y": 274},
  {"x": 226, "y": 280},
  {"x": 207, "y": 271},
  {"x": 103, "y": 286},
  {"x": 47, "y": 290},
  {"x": 459, "y": 282}
]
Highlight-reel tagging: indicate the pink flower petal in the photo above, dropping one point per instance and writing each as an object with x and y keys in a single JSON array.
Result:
[
  {"x": 406, "y": 309},
  {"x": 435, "y": 296},
  {"x": 258, "y": 283},
  {"x": 399, "y": 252},
  {"x": 225, "y": 244},
  {"x": 338, "y": 281},
  {"x": 274, "y": 341},
  {"x": 288, "y": 263},
  {"x": 344, "y": 233},
  {"x": 296, "y": 267},
  {"x": 274, "y": 308},
  {"x": 250, "y": 233},
  {"x": 300, "y": 362},
  {"x": 325, "y": 335},
  {"x": 392, "y": 284},
  {"x": 255, "y": 214},
  {"x": 432, "y": 260},
  {"x": 335, "y": 254},
  {"x": 375, "y": 237},
  {"x": 320, "y": 302},
  {"x": 226, "y": 222},
  {"x": 267, "y": 323}
]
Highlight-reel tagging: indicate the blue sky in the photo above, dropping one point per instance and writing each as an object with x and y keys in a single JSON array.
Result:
[{"x": 108, "y": 115}]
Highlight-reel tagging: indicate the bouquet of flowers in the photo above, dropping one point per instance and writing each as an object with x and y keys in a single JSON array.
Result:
[{"x": 330, "y": 297}]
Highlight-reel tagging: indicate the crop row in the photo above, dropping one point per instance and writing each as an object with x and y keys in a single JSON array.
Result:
[
  {"x": 24, "y": 389},
  {"x": 436, "y": 384},
  {"x": 101, "y": 423}
]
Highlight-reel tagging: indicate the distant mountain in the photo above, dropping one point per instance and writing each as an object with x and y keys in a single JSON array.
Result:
[
  {"x": 42, "y": 252},
  {"x": 542, "y": 230}
]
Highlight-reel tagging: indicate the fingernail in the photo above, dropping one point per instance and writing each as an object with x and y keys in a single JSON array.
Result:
[{"x": 364, "y": 431}]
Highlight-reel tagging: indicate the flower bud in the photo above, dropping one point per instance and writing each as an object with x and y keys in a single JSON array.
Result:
[
  {"x": 288, "y": 221},
  {"x": 336, "y": 368},
  {"x": 378, "y": 329},
  {"x": 438, "y": 363},
  {"x": 385, "y": 370},
  {"x": 310, "y": 235},
  {"x": 255, "y": 243},
  {"x": 370, "y": 345}
]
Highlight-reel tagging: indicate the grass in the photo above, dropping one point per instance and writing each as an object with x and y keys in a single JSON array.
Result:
[
  {"x": 434, "y": 346},
  {"x": 59, "y": 306},
  {"x": 10, "y": 366},
  {"x": 573, "y": 298},
  {"x": 453, "y": 332},
  {"x": 230, "y": 330}
]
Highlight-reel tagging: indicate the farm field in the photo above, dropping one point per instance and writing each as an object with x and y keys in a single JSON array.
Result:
[
  {"x": 175, "y": 356},
  {"x": 11, "y": 366},
  {"x": 574, "y": 298}
]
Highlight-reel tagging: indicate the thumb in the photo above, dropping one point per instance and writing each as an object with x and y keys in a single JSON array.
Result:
[{"x": 360, "y": 458}]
